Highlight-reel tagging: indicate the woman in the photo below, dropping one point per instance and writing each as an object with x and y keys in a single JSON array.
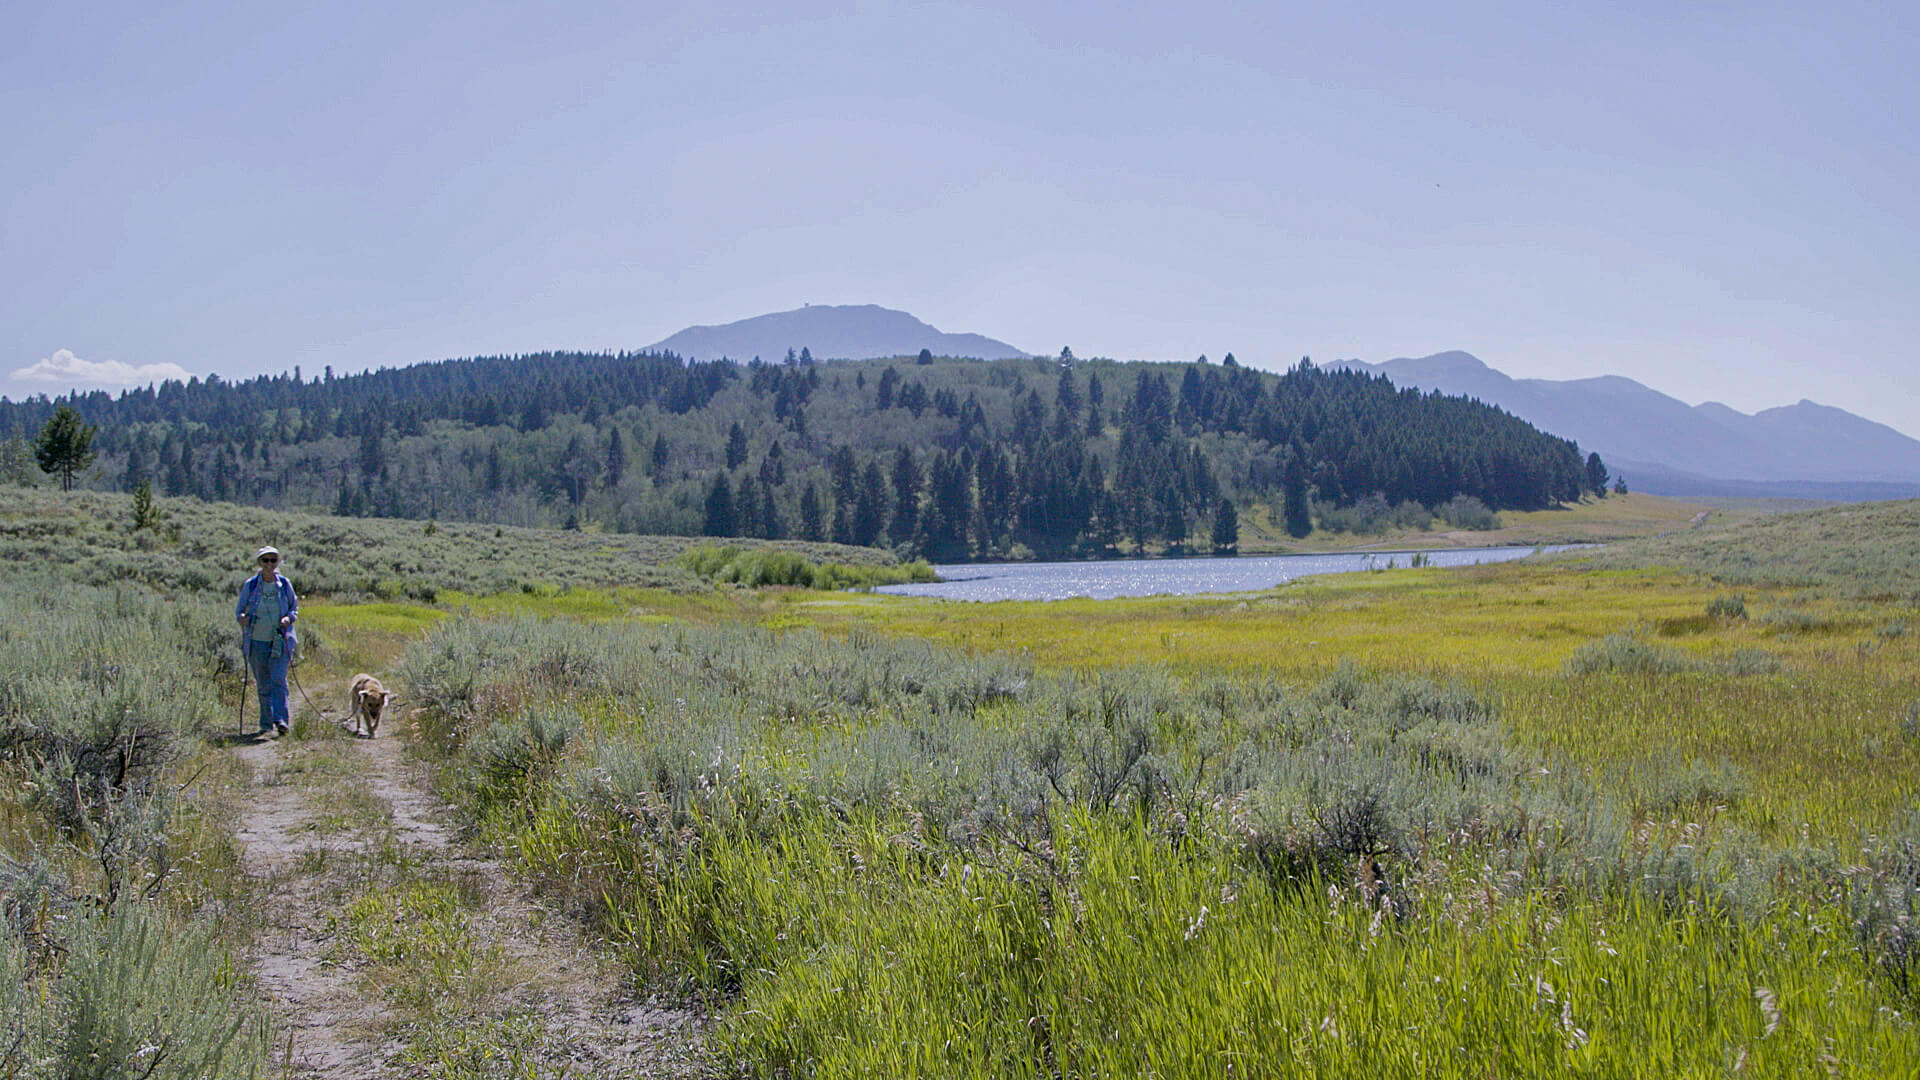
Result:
[{"x": 267, "y": 610}]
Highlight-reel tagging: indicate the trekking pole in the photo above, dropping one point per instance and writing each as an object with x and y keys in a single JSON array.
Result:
[{"x": 243, "y": 689}]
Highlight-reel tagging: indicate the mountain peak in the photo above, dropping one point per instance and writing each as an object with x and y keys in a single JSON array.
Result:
[
  {"x": 1452, "y": 359},
  {"x": 830, "y": 331},
  {"x": 1627, "y": 421}
]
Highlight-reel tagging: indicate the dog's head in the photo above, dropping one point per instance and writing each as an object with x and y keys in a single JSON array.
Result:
[{"x": 372, "y": 701}]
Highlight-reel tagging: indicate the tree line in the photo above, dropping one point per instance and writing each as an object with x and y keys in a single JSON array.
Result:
[{"x": 951, "y": 459}]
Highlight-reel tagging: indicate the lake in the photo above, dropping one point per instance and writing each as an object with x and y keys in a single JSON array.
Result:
[{"x": 1153, "y": 577}]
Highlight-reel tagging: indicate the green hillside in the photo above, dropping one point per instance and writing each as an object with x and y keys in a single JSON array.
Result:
[{"x": 947, "y": 459}]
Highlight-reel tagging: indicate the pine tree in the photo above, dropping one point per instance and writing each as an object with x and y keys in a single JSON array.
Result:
[
  {"x": 145, "y": 514},
  {"x": 719, "y": 519},
  {"x": 736, "y": 446},
  {"x": 616, "y": 458},
  {"x": 1596, "y": 475},
  {"x": 812, "y": 525},
  {"x": 906, "y": 497},
  {"x": 870, "y": 506},
  {"x": 659, "y": 457},
  {"x": 845, "y": 471},
  {"x": 1298, "y": 518},
  {"x": 65, "y": 446},
  {"x": 773, "y": 467},
  {"x": 1226, "y": 525},
  {"x": 136, "y": 473}
]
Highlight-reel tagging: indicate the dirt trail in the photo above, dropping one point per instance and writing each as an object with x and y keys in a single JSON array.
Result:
[{"x": 588, "y": 1024}]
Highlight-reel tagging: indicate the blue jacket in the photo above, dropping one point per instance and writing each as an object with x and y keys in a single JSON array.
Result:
[{"x": 289, "y": 607}]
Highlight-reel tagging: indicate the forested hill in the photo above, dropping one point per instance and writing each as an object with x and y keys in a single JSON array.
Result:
[{"x": 952, "y": 459}]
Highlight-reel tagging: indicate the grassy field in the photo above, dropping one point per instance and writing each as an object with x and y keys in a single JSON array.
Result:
[
  {"x": 1616, "y": 517},
  {"x": 88, "y": 537},
  {"x": 1520, "y": 820},
  {"x": 1643, "y": 812},
  {"x": 1863, "y": 550}
]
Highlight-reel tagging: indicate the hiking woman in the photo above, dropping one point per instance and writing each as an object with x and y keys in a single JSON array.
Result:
[{"x": 267, "y": 610}]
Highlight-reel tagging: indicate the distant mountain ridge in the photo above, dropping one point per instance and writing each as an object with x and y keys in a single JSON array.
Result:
[
  {"x": 1678, "y": 448},
  {"x": 831, "y": 332}
]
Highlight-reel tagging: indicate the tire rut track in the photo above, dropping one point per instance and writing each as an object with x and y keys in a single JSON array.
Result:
[{"x": 334, "y": 1024}]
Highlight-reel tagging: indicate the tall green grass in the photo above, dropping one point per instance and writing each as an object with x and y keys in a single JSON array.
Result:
[
  {"x": 884, "y": 858},
  {"x": 732, "y": 565}
]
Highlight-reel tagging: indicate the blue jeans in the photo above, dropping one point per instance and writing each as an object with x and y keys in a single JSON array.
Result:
[{"x": 268, "y": 662}]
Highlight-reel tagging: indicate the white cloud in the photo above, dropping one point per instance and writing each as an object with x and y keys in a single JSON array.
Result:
[{"x": 68, "y": 372}]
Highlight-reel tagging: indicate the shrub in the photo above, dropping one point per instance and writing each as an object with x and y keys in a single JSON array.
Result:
[
  {"x": 1884, "y": 905},
  {"x": 730, "y": 564},
  {"x": 1468, "y": 512},
  {"x": 1627, "y": 654},
  {"x": 1693, "y": 785},
  {"x": 139, "y": 997},
  {"x": 512, "y": 756},
  {"x": 1751, "y": 662},
  {"x": 1729, "y": 606},
  {"x": 1789, "y": 621},
  {"x": 1372, "y": 515}
]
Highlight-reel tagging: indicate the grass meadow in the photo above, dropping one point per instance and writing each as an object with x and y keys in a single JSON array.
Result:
[
  {"x": 1651, "y": 811},
  {"x": 1553, "y": 819}
]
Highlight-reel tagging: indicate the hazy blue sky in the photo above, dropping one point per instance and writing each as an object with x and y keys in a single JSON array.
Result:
[{"x": 1715, "y": 199}]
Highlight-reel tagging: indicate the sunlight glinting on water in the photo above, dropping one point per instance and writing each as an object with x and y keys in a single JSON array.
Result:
[{"x": 1153, "y": 577}]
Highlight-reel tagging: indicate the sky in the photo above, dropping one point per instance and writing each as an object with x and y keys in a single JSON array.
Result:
[{"x": 1715, "y": 199}]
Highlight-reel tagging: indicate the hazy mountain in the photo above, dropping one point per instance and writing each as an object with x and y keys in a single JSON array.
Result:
[
  {"x": 1686, "y": 449},
  {"x": 830, "y": 332}
]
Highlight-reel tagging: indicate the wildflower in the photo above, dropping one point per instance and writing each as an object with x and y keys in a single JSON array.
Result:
[{"x": 1197, "y": 923}]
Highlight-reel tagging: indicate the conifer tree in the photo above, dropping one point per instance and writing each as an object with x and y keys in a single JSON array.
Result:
[
  {"x": 65, "y": 446},
  {"x": 906, "y": 497},
  {"x": 1298, "y": 518},
  {"x": 719, "y": 518},
  {"x": 812, "y": 523},
  {"x": 659, "y": 458},
  {"x": 736, "y": 446},
  {"x": 1226, "y": 524},
  {"x": 616, "y": 458}
]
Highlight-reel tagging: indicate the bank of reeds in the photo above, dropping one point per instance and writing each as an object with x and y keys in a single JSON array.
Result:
[
  {"x": 886, "y": 858},
  {"x": 731, "y": 564}
]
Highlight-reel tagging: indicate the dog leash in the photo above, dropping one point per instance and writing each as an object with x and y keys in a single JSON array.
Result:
[{"x": 293, "y": 674}]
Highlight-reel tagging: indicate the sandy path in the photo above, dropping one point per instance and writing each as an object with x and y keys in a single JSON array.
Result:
[{"x": 336, "y": 1025}]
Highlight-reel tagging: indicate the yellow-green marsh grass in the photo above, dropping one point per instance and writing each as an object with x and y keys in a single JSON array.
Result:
[
  {"x": 1478, "y": 621},
  {"x": 1818, "y": 742}
]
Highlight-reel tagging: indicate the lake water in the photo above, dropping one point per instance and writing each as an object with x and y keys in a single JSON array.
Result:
[{"x": 1152, "y": 577}]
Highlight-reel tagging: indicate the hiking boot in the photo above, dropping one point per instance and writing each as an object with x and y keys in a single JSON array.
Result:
[{"x": 279, "y": 728}]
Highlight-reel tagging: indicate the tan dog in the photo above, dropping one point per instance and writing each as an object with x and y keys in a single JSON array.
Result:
[{"x": 369, "y": 699}]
